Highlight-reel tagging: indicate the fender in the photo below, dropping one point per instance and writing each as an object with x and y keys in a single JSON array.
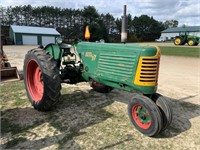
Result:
[{"x": 55, "y": 51}]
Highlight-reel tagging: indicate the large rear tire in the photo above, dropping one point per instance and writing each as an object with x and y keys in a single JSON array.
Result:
[
  {"x": 41, "y": 78},
  {"x": 179, "y": 41},
  {"x": 145, "y": 115}
]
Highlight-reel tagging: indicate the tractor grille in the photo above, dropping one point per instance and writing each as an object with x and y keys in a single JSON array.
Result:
[
  {"x": 147, "y": 71},
  {"x": 116, "y": 65}
]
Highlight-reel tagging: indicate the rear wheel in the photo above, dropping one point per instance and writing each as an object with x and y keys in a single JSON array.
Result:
[
  {"x": 100, "y": 87},
  {"x": 41, "y": 78},
  {"x": 145, "y": 115},
  {"x": 179, "y": 41}
]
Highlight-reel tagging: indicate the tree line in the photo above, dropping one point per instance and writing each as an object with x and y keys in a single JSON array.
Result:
[{"x": 71, "y": 22}]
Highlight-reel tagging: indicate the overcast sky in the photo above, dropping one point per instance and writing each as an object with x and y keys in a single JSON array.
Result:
[{"x": 185, "y": 11}]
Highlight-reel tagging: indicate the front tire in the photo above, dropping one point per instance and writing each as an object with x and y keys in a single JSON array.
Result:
[
  {"x": 145, "y": 115},
  {"x": 165, "y": 109},
  {"x": 41, "y": 79},
  {"x": 191, "y": 42}
]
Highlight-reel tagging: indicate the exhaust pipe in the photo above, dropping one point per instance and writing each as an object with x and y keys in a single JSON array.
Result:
[{"x": 124, "y": 27}]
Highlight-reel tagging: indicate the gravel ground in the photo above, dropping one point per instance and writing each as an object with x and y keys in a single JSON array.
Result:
[{"x": 98, "y": 121}]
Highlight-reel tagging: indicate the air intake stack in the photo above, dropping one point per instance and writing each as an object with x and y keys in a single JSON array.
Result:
[{"x": 124, "y": 27}]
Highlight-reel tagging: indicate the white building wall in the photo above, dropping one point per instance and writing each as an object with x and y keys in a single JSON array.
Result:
[
  {"x": 195, "y": 33},
  {"x": 169, "y": 36}
]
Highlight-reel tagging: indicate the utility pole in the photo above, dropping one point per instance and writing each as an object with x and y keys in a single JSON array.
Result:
[{"x": 124, "y": 27}]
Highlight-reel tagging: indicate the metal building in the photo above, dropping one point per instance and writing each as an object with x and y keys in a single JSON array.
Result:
[{"x": 28, "y": 35}]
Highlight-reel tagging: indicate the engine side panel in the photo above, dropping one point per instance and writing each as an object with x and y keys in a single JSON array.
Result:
[{"x": 114, "y": 65}]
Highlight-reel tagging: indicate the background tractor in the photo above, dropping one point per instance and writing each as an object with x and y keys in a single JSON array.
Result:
[
  {"x": 105, "y": 66},
  {"x": 184, "y": 37}
]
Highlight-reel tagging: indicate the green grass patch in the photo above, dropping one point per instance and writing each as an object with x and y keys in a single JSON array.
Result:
[
  {"x": 180, "y": 51},
  {"x": 13, "y": 94},
  {"x": 12, "y": 87}
]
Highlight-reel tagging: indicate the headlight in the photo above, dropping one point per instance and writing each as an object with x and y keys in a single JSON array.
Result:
[{"x": 59, "y": 40}]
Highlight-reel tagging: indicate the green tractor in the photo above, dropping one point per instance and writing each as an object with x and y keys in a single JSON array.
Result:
[
  {"x": 184, "y": 37},
  {"x": 105, "y": 66}
]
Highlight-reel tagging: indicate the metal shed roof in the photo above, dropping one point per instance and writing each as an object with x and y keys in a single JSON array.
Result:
[
  {"x": 179, "y": 29},
  {"x": 34, "y": 30}
]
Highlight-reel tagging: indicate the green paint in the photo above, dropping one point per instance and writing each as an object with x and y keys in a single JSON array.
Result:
[
  {"x": 54, "y": 50},
  {"x": 39, "y": 40},
  {"x": 185, "y": 38},
  {"x": 11, "y": 34},
  {"x": 143, "y": 116},
  {"x": 114, "y": 64},
  {"x": 196, "y": 38}
]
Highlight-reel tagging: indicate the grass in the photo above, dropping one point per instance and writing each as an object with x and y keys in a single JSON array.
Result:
[
  {"x": 65, "y": 118},
  {"x": 180, "y": 51},
  {"x": 13, "y": 94}
]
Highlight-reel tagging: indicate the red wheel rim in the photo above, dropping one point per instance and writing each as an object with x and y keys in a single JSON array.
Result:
[
  {"x": 34, "y": 81},
  {"x": 141, "y": 116}
]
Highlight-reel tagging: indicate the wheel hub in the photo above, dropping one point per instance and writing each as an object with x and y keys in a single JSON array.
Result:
[
  {"x": 190, "y": 42},
  {"x": 178, "y": 41},
  {"x": 141, "y": 116},
  {"x": 38, "y": 80},
  {"x": 34, "y": 80}
]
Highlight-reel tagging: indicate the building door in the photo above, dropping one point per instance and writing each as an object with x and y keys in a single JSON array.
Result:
[
  {"x": 48, "y": 39},
  {"x": 29, "y": 40}
]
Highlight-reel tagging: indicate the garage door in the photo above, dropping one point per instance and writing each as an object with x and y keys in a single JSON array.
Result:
[
  {"x": 48, "y": 39},
  {"x": 29, "y": 40}
]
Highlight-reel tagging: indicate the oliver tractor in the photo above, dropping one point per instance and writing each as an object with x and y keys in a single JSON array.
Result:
[
  {"x": 184, "y": 37},
  {"x": 105, "y": 66}
]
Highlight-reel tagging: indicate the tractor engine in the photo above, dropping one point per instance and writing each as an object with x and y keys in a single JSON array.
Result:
[{"x": 70, "y": 71}]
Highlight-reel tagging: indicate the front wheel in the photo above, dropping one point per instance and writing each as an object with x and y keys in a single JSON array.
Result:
[
  {"x": 191, "y": 42},
  {"x": 145, "y": 115},
  {"x": 41, "y": 78},
  {"x": 165, "y": 109}
]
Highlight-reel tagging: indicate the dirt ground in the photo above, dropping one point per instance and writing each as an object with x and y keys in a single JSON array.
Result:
[{"x": 179, "y": 82}]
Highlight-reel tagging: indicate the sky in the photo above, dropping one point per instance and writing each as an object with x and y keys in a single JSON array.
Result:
[{"x": 187, "y": 12}]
